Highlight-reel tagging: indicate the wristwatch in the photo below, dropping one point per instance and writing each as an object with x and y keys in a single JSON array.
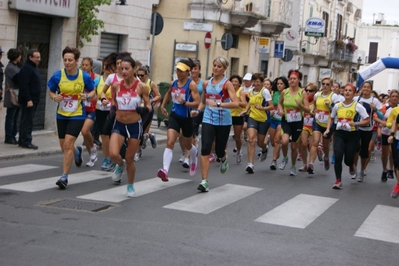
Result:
[
  {"x": 218, "y": 104},
  {"x": 184, "y": 102}
]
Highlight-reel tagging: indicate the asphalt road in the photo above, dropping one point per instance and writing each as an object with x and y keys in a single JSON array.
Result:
[{"x": 267, "y": 218}]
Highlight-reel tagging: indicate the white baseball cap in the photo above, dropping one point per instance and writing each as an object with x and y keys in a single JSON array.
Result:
[{"x": 247, "y": 76}]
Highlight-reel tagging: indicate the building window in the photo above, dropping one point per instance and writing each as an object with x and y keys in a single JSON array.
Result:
[
  {"x": 325, "y": 18},
  {"x": 354, "y": 33},
  {"x": 235, "y": 41},
  {"x": 373, "y": 49},
  {"x": 339, "y": 27},
  {"x": 110, "y": 43}
]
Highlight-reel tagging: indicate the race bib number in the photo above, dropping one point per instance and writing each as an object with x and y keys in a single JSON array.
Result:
[
  {"x": 125, "y": 100},
  {"x": 176, "y": 92},
  {"x": 308, "y": 120},
  {"x": 101, "y": 107},
  {"x": 214, "y": 97},
  {"x": 276, "y": 114},
  {"x": 69, "y": 103},
  {"x": 322, "y": 116},
  {"x": 343, "y": 124},
  {"x": 293, "y": 115}
]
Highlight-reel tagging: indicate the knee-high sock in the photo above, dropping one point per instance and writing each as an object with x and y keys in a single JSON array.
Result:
[
  {"x": 167, "y": 158},
  {"x": 193, "y": 153}
]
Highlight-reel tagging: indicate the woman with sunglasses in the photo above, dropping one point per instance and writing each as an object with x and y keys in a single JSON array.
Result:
[
  {"x": 184, "y": 95},
  {"x": 324, "y": 102},
  {"x": 307, "y": 130},
  {"x": 257, "y": 123},
  {"x": 155, "y": 97},
  {"x": 279, "y": 84},
  {"x": 346, "y": 135},
  {"x": 293, "y": 101}
]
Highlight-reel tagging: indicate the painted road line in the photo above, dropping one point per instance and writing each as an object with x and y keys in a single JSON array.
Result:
[
  {"x": 298, "y": 212},
  {"x": 141, "y": 188},
  {"x": 381, "y": 224},
  {"x": 24, "y": 169},
  {"x": 47, "y": 183},
  {"x": 208, "y": 202}
]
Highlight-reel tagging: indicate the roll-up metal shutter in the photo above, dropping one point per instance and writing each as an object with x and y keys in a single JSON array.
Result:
[
  {"x": 34, "y": 33},
  {"x": 110, "y": 43}
]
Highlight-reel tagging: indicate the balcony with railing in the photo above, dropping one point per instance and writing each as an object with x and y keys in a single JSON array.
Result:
[
  {"x": 340, "y": 51},
  {"x": 278, "y": 16}
]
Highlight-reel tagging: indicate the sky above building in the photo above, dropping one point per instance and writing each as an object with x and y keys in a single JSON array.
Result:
[{"x": 390, "y": 9}]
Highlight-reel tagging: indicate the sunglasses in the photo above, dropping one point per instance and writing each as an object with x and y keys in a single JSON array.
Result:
[
  {"x": 325, "y": 84},
  {"x": 140, "y": 75},
  {"x": 309, "y": 90}
]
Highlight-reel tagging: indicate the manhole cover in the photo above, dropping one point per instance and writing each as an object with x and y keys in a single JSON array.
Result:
[{"x": 78, "y": 205}]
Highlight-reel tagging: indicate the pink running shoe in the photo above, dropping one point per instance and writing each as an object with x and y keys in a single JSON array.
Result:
[
  {"x": 212, "y": 158},
  {"x": 194, "y": 166},
  {"x": 163, "y": 175}
]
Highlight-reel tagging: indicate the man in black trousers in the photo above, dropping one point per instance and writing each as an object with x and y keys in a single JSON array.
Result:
[{"x": 29, "y": 97}]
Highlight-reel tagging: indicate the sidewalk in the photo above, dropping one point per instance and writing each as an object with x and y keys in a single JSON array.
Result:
[{"x": 48, "y": 143}]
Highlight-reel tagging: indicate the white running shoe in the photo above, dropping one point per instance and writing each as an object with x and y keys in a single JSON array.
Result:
[{"x": 93, "y": 156}]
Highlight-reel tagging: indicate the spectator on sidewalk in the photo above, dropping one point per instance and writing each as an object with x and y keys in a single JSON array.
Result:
[
  {"x": 29, "y": 97},
  {"x": 1, "y": 75},
  {"x": 11, "y": 73}
]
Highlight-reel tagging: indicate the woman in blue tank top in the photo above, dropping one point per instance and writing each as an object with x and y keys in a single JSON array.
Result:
[
  {"x": 184, "y": 95},
  {"x": 217, "y": 98}
]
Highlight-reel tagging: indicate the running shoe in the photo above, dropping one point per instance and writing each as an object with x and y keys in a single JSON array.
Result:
[
  {"x": 372, "y": 158},
  {"x": 378, "y": 145},
  {"x": 118, "y": 172},
  {"x": 337, "y": 184},
  {"x": 186, "y": 163},
  {"x": 273, "y": 166},
  {"x": 250, "y": 168},
  {"x": 384, "y": 177},
  {"x": 263, "y": 155},
  {"x": 224, "y": 166},
  {"x": 145, "y": 138},
  {"x": 390, "y": 174},
  {"x": 395, "y": 191},
  {"x": 62, "y": 182},
  {"x": 130, "y": 191},
  {"x": 78, "y": 156},
  {"x": 293, "y": 171},
  {"x": 163, "y": 175},
  {"x": 360, "y": 176},
  {"x": 111, "y": 167},
  {"x": 283, "y": 163},
  {"x": 93, "y": 156},
  {"x": 238, "y": 156},
  {"x": 137, "y": 157},
  {"x": 260, "y": 153},
  {"x": 333, "y": 159},
  {"x": 299, "y": 157},
  {"x": 203, "y": 186},
  {"x": 310, "y": 169},
  {"x": 194, "y": 166},
  {"x": 303, "y": 168},
  {"x": 326, "y": 163},
  {"x": 235, "y": 150},
  {"x": 212, "y": 158},
  {"x": 183, "y": 156},
  {"x": 352, "y": 170},
  {"x": 320, "y": 153},
  {"x": 104, "y": 164},
  {"x": 153, "y": 140}
]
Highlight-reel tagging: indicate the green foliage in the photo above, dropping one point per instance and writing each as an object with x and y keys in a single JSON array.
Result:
[{"x": 88, "y": 24}]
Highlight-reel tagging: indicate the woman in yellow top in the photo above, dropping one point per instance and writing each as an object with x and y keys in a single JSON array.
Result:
[
  {"x": 346, "y": 135},
  {"x": 307, "y": 130},
  {"x": 293, "y": 101},
  {"x": 393, "y": 139},
  {"x": 67, "y": 88},
  {"x": 260, "y": 101},
  {"x": 324, "y": 102},
  {"x": 237, "y": 117}
]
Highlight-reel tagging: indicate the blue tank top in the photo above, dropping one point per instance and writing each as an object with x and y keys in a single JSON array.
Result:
[
  {"x": 200, "y": 87},
  {"x": 185, "y": 93},
  {"x": 217, "y": 116}
]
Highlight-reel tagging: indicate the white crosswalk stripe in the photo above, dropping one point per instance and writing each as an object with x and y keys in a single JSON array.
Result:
[
  {"x": 298, "y": 212},
  {"x": 117, "y": 194},
  {"x": 47, "y": 183},
  {"x": 381, "y": 224},
  {"x": 24, "y": 169},
  {"x": 219, "y": 197}
]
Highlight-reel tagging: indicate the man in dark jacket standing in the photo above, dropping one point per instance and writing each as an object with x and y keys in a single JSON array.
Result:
[{"x": 29, "y": 97}]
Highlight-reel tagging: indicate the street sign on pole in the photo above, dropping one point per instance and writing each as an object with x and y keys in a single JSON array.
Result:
[{"x": 208, "y": 40}]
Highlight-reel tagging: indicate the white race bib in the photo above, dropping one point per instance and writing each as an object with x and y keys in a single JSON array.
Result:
[
  {"x": 322, "y": 116},
  {"x": 343, "y": 124},
  {"x": 176, "y": 92},
  {"x": 69, "y": 103},
  {"x": 293, "y": 115}
]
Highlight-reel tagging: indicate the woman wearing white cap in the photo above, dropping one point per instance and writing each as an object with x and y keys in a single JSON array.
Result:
[{"x": 184, "y": 94}]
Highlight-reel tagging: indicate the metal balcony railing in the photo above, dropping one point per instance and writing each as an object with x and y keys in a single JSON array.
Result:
[{"x": 338, "y": 53}]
